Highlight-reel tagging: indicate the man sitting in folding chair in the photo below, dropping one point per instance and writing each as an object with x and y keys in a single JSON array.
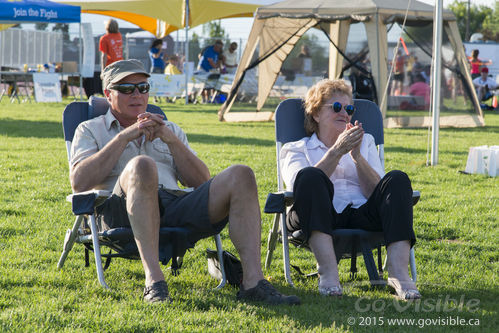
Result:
[
  {"x": 130, "y": 152},
  {"x": 338, "y": 182}
]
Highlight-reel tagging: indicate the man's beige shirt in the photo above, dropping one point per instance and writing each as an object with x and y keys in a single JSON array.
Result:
[{"x": 92, "y": 135}]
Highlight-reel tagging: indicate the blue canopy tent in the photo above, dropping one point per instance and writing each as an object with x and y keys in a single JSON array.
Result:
[{"x": 33, "y": 11}]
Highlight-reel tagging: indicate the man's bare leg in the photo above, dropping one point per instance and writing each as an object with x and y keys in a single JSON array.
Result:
[
  {"x": 233, "y": 192},
  {"x": 139, "y": 181}
]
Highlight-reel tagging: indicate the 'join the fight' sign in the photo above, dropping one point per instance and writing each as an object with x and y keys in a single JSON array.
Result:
[
  {"x": 30, "y": 13},
  {"x": 14, "y": 11}
]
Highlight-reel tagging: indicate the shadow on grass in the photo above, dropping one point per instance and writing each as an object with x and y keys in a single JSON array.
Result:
[
  {"x": 7, "y": 232},
  {"x": 459, "y": 299},
  {"x": 233, "y": 140},
  {"x": 317, "y": 312},
  {"x": 196, "y": 108},
  {"x": 29, "y": 129},
  {"x": 485, "y": 129},
  {"x": 398, "y": 149},
  {"x": 12, "y": 212}
]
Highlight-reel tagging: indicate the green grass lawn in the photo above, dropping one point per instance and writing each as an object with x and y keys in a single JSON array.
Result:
[{"x": 456, "y": 223}]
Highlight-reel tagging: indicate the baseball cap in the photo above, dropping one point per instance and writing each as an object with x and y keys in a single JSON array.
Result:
[
  {"x": 485, "y": 70},
  {"x": 120, "y": 69}
]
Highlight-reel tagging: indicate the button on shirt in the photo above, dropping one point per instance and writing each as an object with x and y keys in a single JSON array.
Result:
[
  {"x": 92, "y": 135},
  {"x": 308, "y": 151}
]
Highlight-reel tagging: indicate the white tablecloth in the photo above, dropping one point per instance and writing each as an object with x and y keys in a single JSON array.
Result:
[{"x": 483, "y": 160}]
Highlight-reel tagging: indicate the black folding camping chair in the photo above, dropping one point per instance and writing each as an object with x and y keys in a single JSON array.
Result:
[{"x": 348, "y": 243}]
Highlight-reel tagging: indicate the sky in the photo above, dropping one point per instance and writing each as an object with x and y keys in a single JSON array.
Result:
[{"x": 237, "y": 28}]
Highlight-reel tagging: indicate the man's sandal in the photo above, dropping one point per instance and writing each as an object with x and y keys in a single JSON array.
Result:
[{"x": 157, "y": 293}]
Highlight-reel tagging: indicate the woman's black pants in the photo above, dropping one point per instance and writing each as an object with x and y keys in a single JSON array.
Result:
[{"x": 388, "y": 209}]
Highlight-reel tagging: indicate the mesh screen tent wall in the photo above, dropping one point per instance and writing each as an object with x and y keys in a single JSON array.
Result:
[{"x": 360, "y": 43}]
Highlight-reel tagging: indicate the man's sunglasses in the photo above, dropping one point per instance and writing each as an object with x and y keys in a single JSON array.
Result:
[
  {"x": 336, "y": 106},
  {"x": 128, "y": 88}
]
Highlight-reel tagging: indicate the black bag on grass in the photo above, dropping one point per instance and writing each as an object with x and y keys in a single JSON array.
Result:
[{"x": 232, "y": 266}]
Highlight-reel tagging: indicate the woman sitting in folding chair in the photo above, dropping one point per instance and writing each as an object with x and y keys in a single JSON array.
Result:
[{"x": 338, "y": 182}]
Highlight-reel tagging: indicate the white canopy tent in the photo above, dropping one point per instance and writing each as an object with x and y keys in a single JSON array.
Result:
[{"x": 278, "y": 27}]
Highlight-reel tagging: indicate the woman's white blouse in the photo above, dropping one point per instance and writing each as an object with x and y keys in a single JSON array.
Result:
[{"x": 308, "y": 151}]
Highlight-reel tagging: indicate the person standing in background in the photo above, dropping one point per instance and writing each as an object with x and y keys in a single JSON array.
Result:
[
  {"x": 156, "y": 56},
  {"x": 398, "y": 74},
  {"x": 230, "y": 58},
  {"x": 306, "y": 60},
  {"x": 476, "y": 64},
  {"x": 211, "y": 61},
  {"x": 111, "y": 44}
]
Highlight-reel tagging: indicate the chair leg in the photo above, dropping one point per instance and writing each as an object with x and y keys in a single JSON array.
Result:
[
  {"x": 370, "y": 264},
  {"x": 218, "y": 242},
  {"x": 69, "y": 240},
  {"x": 380, "y": 263},
  {"x": 285, "y": 250},
  {"x": 271, "y": 241},
  {"x": 353, "y": 259},
  {"x": 212, "y": 99},
  {"x": 386, "y": 260},
  {"x": 412, "y": 263},
  {"x": 98, "y": 259}
]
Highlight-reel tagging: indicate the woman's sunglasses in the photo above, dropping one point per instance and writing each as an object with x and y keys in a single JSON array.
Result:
[
  {"x": 128, "y": 88},
  {"x": 336, "y": 106}
]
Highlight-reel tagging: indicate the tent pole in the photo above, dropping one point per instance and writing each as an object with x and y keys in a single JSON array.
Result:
[
  {"x": 79, "y": 62},
  {"x": 186, "y": 62},
  {"x": 436, "y": 77}
]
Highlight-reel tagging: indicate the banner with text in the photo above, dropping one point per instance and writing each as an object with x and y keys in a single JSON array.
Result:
[
  {"x": 167, "y": 85},
  {"x": 47, "y": 87}
]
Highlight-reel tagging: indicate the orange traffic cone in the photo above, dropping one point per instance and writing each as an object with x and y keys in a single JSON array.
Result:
[{"x": 494, "y": 102}]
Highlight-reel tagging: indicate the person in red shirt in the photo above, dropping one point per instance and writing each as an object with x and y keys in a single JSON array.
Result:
[
  {"x": 476, "y": 64},
  {"x": 398, "y": 74},
  {"x": 111, "y": 44}
]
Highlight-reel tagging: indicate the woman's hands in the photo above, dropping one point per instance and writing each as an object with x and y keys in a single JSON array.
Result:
[{"x": 349, "y": 140}]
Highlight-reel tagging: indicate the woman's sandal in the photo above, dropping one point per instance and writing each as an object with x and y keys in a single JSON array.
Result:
[
  {"x": 403, "y": 294},
  {"x": 335, "y": 291}
]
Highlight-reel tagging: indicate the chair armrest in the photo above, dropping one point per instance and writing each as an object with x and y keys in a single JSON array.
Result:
[
  {"x": 278, "y": 201},
  {"x": 85, "y": 202},
  {"x": 415, "y": 197},
  {"x": 100, "y": 194}
]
